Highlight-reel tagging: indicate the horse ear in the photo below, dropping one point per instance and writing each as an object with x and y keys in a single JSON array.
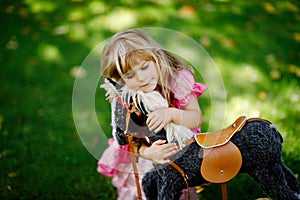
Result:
[
  {"x": 111, "y": 87},
  {"x": 118, "y": 85},
  {"x": 111, "y": 81}
]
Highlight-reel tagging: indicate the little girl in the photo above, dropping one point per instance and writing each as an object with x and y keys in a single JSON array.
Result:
[{"x": 134, "y": 60}]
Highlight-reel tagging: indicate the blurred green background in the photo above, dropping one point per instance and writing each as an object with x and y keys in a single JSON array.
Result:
[{"x": 255, "y": 45}]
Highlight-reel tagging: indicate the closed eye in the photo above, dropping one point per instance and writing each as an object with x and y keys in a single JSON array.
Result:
[
  {"x": 144, "y": 67},
  {"x": 129, "y": 75}
]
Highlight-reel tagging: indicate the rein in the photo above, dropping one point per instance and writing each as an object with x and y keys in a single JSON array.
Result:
[
  {"x": 133, "y": 158},
  {"x": 133, "y": 147}
]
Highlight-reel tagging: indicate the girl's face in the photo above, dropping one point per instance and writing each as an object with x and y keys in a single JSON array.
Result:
[{"x": 142, "y": 76}]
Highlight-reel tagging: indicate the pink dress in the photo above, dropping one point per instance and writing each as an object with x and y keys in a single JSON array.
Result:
[{"x": 115, "y": 161}]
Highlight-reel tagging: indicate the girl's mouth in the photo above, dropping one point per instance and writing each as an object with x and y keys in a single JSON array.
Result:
[{"x": 145, "y": 84}]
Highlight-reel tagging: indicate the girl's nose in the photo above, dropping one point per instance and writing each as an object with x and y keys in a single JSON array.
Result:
[{"x": 140, "y": 76}]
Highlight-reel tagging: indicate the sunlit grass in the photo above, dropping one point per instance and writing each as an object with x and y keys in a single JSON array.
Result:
[
  {"x": 49, "y": 53},
  {"x": 41, "y": 6},
  {"x": 119, "y": 18}
]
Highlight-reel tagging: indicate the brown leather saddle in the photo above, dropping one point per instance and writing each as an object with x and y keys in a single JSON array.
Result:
[{"x": 222, "y": 160}]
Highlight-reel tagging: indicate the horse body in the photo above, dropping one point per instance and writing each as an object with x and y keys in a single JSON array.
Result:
[{"x": 258, "y": 142}]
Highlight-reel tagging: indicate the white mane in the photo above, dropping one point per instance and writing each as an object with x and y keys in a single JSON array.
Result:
[{"x": 152, "y": 101}]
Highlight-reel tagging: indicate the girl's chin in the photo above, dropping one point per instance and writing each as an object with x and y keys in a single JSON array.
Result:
[{"x": 148, "y": 88}]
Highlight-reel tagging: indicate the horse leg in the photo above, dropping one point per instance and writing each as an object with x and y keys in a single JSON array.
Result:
[
  {"x": 150, "y": 185},
  {"x": 159, "y": 185},
  {"x": 170, "y": 187},
  {"x": 172, "y": 182},
  {"x": 291, "y": 180},
  {"x": 272, "y": 180},
  {"x": 260, "y": 146}
]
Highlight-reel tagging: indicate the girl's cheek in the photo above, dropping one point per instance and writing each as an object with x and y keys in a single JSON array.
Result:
[
  {"x": 127, "y": 82},
  {"x": 131, "y": 85}
]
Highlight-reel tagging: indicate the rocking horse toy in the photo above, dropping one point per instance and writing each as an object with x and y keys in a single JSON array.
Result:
[{"x": 252, "y": 146}]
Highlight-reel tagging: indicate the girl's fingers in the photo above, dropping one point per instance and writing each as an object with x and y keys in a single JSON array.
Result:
[
  {"x": 164, "y": 158},
  {"x": 156, "y": 125},
  {"x": 164, "y": 152},
  {"x": 153, "y": 125},
  {"x": 157, "y": 120},
  {"x": 169, "y": 154},
  {"x": 159, "y": 128},
  {"x": 164, "y": 161},
  {"x": 151, "y": 120},
  {"x": 170, "y": 150},
  {"x": 159, "y": 142}
]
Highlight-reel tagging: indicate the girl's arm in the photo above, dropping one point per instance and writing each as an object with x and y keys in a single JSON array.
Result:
[{"x": 190, "y": 116}]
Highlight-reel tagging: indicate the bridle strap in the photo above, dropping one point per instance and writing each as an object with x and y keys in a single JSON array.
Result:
[
  {"x": 184, "y": 176},
  {"x": 133, "y": 156}
]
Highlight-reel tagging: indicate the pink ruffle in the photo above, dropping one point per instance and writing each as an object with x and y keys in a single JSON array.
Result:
[
  {"x": 197, "y": 90},
  {"x": 184, "y": 86},
  {"x": 113, "y": 155},
  {"x": 124, "y": 179}
]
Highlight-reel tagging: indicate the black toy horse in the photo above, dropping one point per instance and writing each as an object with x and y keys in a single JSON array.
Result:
[{"x": 258, "y": 142}]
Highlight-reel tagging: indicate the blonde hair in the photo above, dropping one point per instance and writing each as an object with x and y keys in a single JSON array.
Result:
[{"x": 122, "y": 51}]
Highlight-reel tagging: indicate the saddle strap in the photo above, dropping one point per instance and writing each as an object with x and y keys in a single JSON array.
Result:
[
  {"x": 184, "y": 176},
  {"x": 224, "y": 191}
]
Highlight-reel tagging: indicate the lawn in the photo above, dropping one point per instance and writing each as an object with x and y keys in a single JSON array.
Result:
[{"x": 255, "y": 47}]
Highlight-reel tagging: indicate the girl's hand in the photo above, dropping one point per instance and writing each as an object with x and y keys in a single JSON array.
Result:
[
  {"x": 159, "y": 152},
  {"x": 158, "y": 119}
]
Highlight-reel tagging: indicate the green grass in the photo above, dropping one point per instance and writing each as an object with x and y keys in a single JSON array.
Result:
[{"x": 255, "y": 46}]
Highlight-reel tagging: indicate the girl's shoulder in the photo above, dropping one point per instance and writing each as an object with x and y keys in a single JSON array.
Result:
[
  {"x": 184, "y": 84},
  {"x": 184, "y": 75}
]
